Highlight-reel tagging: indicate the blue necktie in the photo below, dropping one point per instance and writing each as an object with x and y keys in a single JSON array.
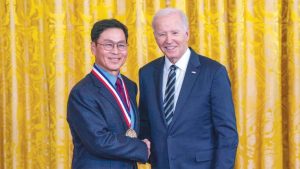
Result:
[{"x": 169, "y": 95}]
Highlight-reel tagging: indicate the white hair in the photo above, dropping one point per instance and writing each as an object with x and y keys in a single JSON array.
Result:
[{"x": 167, "y": 11}]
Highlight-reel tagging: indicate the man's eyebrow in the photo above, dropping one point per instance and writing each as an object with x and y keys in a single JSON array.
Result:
[{"x": 109, "y": 40}]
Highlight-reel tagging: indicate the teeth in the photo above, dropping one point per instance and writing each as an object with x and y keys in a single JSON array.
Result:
[
  {"x": 114, "y": 59},
  {"x": 170, "y": 47}
]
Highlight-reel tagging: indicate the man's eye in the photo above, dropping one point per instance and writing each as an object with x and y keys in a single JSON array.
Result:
[
  {"x": 161, "y": 34},
  {"x": 109, "y": 45},
  {"x": 121, "y": 45}
]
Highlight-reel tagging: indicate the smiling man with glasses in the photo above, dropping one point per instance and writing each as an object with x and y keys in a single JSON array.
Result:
[{"x": 102, "y": 110}]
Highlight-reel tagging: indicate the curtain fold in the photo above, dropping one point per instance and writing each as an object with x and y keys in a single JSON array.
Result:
[{"x": 45, "y": 50}]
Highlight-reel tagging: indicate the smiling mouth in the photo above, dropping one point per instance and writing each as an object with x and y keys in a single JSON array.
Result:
[
  {"x": 170, "y": 47},
  {"x": 115, "y": 59}
]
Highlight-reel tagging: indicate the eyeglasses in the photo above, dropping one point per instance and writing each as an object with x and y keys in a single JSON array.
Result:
[{"x": 110, "y": 46}]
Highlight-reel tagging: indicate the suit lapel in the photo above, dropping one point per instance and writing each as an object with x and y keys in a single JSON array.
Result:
[
  {"x": 132, "y": 96},
  {"x": 158, "y": 78},
  {"x": 107, "y": 95},
  {"x": 190, "y": 76},
  {"x": 137, "y": 119}
]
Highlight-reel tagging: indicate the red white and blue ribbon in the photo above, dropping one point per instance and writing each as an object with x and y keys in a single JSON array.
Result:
[{"x": 113, "y": 91}]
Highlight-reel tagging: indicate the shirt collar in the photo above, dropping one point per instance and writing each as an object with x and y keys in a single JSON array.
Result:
[{"x": 111, "y": 78}]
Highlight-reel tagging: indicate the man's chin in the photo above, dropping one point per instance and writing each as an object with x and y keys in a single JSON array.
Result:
[
  {"x": 116, "y": 66},
  {"x": 171, "y": 57},
  {"x": 171, "y": 53}
]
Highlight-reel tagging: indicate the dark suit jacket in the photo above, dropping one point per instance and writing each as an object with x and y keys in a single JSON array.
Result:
[
  {"x": 202, "y": 134},
  {"x": 98, "y": 128}
]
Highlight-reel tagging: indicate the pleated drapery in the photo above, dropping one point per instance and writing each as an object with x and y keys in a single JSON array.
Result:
[{"x": 45, "y": 50}]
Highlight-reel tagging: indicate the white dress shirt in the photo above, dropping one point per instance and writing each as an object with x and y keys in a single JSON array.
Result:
[{"x": 180, "y": 72}]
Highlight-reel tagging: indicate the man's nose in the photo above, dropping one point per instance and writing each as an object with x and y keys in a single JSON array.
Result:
[
  {"x": 115, "y": 49},
  {"x": 168, "y": 38}
]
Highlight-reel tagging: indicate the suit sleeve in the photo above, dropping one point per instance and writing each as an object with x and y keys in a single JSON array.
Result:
[
  {"x": 144, "y": 121},
  {"x": 90, "y": 127},
  {"x": 224, "y": 120}
]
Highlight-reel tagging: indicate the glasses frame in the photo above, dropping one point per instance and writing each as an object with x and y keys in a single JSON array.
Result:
[{"x": 110, "y": 48}]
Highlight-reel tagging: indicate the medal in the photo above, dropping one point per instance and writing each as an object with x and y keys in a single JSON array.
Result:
[
  {"x": 131, "y": 133},
  {"x": 111, "y": 89}
]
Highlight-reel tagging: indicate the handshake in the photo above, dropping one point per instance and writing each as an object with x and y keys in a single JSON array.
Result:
[
  {"x": 132, "y": 134},
  {"x": 148, "y": 143}
]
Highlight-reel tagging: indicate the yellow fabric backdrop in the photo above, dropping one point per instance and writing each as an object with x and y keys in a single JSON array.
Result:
[{"x": 45, "y": 50}]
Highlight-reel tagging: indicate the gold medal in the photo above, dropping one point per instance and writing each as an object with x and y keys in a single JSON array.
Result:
[{"x": 131, "y": 133}]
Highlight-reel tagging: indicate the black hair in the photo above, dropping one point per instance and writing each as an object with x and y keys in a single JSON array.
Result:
[{"x": 104, "y": 24}]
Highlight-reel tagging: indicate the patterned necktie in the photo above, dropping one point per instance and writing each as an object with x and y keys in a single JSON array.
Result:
[
  {"x": 169, "y": 95},
  {"x": 121, "y": 92}
]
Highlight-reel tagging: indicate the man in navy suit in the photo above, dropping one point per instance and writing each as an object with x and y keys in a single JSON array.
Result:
[
  {"x": 186, "y": 104},
  {"x": 102, "y": 110}
]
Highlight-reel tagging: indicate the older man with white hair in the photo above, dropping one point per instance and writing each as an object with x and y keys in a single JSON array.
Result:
[{"x": 186, "y": 103}]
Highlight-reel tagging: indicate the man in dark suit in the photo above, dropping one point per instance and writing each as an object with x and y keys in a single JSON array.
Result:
[
  {"x": 186, "y": 104},
  {"x": 102, "y": 111}
]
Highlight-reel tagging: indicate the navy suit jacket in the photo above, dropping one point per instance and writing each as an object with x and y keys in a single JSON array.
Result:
[
  {"x": 202, "y": 134},
  {"x": 98, "y": 127}
]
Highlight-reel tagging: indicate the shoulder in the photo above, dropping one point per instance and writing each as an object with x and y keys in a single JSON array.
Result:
[
  {"x": 152, "y": 65},
  {"x": 205, "y": 62},
  {"x": 84, "y": 86},
  {"x": 210, "y": 63},
  {"x": 207, "y": 66}
]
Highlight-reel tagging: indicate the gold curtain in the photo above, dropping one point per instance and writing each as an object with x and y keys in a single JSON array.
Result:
[{"x": 45, "y": 50}]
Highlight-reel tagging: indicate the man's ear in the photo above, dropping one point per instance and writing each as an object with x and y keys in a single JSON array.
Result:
[
  {"x": 93, "y": 48},
  {"x": 187, "y": 33}
]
